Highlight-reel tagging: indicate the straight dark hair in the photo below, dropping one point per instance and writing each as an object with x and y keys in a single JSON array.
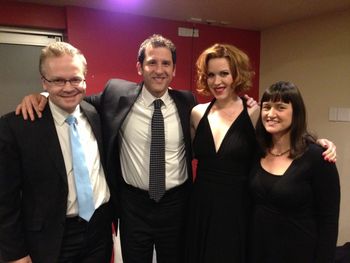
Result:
[{"x": 300, "y": 138}]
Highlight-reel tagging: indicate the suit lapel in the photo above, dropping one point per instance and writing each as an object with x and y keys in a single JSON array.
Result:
[
  {"x": 95, "y": 123},
  {"x": 93, "y": 119},
  {"x": 47, "y": 132},
  {"x": 124, "y": 106},
  {"x": 182, "y": 110}
]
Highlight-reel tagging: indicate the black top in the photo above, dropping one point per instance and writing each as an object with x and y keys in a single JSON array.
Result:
[
  {"x": 219, "y": 201},
  {"x": 295, "y": 217}
]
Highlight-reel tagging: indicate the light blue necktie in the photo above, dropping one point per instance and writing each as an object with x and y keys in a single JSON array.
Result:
[{"x": 81, "y": 172}]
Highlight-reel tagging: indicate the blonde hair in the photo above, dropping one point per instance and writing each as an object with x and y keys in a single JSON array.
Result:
[{"x": 58, "y": 49}]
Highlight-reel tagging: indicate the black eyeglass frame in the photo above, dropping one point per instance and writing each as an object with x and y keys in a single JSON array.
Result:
[{"x": 75, "y": 82}]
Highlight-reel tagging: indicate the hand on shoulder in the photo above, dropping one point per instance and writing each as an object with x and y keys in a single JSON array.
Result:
[{"x": 254, "y": 112}]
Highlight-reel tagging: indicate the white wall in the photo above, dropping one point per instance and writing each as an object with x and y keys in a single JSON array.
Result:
[{"x": 315, "y": 55}]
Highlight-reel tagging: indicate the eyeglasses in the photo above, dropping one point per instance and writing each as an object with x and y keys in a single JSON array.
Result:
[{"x": 62, "y": 82}]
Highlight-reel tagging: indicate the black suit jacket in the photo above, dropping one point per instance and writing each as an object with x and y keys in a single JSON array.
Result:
[
  {"x": 33, "y": 185},
  {"x": 114, "y": 104}
]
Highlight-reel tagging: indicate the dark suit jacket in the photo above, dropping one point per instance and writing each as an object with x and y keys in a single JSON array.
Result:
[
  {"x": 33, "y": 185},
  {"x": 114, "y": 105}
]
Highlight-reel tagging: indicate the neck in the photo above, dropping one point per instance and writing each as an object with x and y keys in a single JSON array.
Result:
[
  {"x": 281, "y": 141},
  {"x": 227, "y": 103},
  {"x": 278, "y": 154},
  {"x": 280, "y": 145}
]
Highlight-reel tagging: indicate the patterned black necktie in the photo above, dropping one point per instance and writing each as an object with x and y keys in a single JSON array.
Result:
[{"x": 157, "y": 154}]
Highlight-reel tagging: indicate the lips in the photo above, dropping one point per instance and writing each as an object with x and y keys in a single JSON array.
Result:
[
  {"x": 271, "y": 122},
  {"x": 70, "y": 96},
  {"x": 158, "y": 79},
  {"x": 219, "y": 89}
]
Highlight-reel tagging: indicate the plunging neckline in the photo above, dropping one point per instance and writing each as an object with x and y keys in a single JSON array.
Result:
[{"x": 228, "y": 130}]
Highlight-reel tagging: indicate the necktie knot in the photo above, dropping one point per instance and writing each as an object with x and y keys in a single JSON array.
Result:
[
  {"x": 157, "y": 103},
  {"x": 71, "y": 120}
]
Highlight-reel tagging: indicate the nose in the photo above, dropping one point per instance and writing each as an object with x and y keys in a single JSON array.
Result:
[
  {"x": 158, "y": 68},
  {"x": 67, "y": 83},
  {"x": 68, "y": 87},
  {"x": 217, "y": 79},
  {"x": 271, "y": 112}
]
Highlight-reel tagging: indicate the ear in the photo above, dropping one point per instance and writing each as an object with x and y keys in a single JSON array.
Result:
[
  {"x": 139, "y": 68},
  {"x": 84, "y": 86},
  {"x": 174, "y": 71},
  {"x": 44, "y": 84}
]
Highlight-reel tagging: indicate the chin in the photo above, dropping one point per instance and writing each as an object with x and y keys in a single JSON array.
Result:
[
  {"x": 70, "y": 107},
  {"x": 271, "y": 131},
  {"x": 220, "y": 96}
]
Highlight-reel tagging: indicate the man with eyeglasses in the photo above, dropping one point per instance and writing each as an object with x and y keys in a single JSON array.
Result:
[
  {"x": 45, "y": 216},
  {"x": 127, "y": 109}
]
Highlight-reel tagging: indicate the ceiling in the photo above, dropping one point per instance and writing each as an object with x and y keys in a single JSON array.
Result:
[{"x": 243, "y": 14}]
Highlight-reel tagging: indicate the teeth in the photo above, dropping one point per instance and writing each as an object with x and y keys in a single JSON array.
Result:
[{"x": 219, "y": 89}]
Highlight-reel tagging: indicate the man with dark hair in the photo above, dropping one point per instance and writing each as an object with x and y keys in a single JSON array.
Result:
[
  {"x": 150, "y": 184},
  {"x": 126, "y": 111}
]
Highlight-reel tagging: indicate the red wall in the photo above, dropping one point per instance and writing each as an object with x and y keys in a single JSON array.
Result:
[
  {"x": 110, "y": 40},
  {"x": 33, "y": 16}
]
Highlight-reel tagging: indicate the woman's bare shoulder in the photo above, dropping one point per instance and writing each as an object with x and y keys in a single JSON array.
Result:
[
  {"x": 200, "y": 109},
  {"x": 198, "y": 112}
]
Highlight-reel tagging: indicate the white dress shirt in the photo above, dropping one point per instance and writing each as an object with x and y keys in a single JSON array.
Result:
[
  {"x": 135, "y": 141},
  {"x": 92, "y": 156}
]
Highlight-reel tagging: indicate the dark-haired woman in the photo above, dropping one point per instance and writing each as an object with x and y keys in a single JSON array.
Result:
[{"x": 296, "y": 192}]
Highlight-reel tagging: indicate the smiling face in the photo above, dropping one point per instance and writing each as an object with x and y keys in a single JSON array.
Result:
[
  {"x": 219, "y": 78},
  {"x": 157, "y": 69},
  {"x": 277, "y": 117},
  {"x": 64, "y": 67}
]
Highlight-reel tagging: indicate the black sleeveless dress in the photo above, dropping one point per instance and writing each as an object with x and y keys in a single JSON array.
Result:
[{"x": 218, "y": 220}]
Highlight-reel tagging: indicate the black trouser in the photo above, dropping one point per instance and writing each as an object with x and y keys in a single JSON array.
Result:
[
  {"x": 88, "y": 242},
  {"x": 145, "y": 224}
]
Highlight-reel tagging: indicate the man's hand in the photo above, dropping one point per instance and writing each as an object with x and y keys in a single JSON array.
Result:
[
  {"x": 253, "y": 109},
  {"x": 330, "y": 154},
  {"x": 251, "y": 102},
  {"x": 34, "y": 102},
  {"x": 26, "y": 259}
]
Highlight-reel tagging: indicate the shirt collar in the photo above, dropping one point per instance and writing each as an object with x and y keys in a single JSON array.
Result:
[
  {"x": 60, "y": 115},
  {"x": 148, "y": 98}
]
